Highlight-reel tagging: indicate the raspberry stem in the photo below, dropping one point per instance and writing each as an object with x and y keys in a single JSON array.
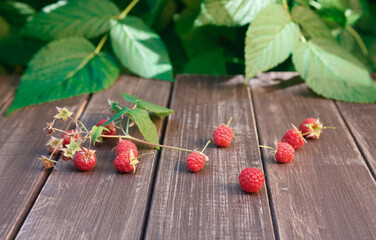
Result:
[
  {"x": 317, "y": 129},
  {"x": 205, "y": 147},
  {"x": 127, "y": 10},
  {"x": 147, "y": 143},
  {"x": 229, "y": 121},
  {"x": 262, "y": 146}
]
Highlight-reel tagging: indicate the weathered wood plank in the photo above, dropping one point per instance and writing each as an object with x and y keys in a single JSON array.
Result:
[
  {"x": 22, "y": 142},
  {"x": 208, "y": 204},
  {"x": 361, "y": 118},
  {"x": 101, "y": 203},
  {"x": 327, "y": 191}
]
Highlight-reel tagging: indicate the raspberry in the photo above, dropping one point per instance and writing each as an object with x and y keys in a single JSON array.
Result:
[
  {"x": 251, "y": 179},
  {"x": 312, "y": 128},
  {"x": 294, "y": 138},
  {"x": 196, "y": 161},
  {"x": 71, "y": 134},
  {"x": 284, "y": 152},
  {"x": 54, "y": 145},
  {"x": 85, "y": 159},
  {"x": 223, "y": 135},
  {"x": 126, "y": 145},
  {"x": 111, "y": 127},
  {"x": 125, "y": 162}
]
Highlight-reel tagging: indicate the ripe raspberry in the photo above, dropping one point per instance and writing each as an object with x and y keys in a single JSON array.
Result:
[
  {"x": 251, "y": 179},
  {"x": 223, "y": 135},
  {"x": 126, "y": 145},
  {"x": 125, "y": 162},
  {"x": 54, "y": 145},
  {"x": 196, "y": 161},
  {"x": 85, "y": 159},
  {"x": 284, "y": 152},
  {"x": 71, "y": 134},
  {"x": 111, "y": 127},
  {"x": 294, "y": 138},
  {"x": 312, "y": 128}
]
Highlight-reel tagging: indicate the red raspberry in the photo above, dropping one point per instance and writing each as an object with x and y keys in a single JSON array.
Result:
[
  {"x": 294, "y": 138},
  {"x": 111, "y": 127},
  {"x": 251, "y": 179},
  {"x": 284, "y": 152},
  {"x": 71, "y": 134},
  {"x": 223, "y": 136},
  {"x": 125, "y": 162},
  {"x": 124, "y": 146},
  {"x": 196, "y": 161},
  {"x": 85, "y": 159},
  {"x": 312, "y": 128}
]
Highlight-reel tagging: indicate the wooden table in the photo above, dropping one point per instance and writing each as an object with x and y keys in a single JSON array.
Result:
[{"x": 327, "y": 192}]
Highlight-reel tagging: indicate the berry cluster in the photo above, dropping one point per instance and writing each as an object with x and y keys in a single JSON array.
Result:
[
  {"x": 294, "y": 138},
  {"x": 70, "y": 146},
  {"x": 252, "y": 179}
]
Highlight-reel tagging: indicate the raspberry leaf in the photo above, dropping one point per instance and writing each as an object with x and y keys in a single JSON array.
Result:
[
  {"x": 96, "y": 133},
  {"x": 229, "y": 13},
  {"x": 118, "y": 115},
  {"x": 311, "y": 23},
  {"x": 64, "y": 68},
  {"x": 159, "y": 110},
  {"x": 269, "y": 40},
  {"x": 144, "y": 124},
  {"x": 140, "y": 49},
  {"x": 84, "y": 18},
  {"x": 332, "y": 72}
]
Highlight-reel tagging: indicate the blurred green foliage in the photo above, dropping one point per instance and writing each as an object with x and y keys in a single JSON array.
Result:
[{"x": 203, "y": 37}]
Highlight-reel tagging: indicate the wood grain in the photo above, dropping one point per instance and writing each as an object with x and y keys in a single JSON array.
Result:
[
  {"x": 327, "y": 191},
  {"x": 361, "y": 118},
  {"x": 101, "y": 203},
  {"x": 22, "y": 141},
  {"x": 208, "y": 204}
]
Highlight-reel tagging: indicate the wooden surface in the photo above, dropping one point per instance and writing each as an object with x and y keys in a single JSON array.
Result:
[
  {"x": 209, "y": 203},
  {"x": 327, "y": 192},
  {"x": 22, "y": 142},
  {"x": 79, "y": 202},
  {"x": 328, "y": 186}
]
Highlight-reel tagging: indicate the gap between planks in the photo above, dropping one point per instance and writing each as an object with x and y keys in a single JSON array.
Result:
[
  {"x": 157, "y": 159},
  {"x": 267, "y": 183},
  {"x": 357, "y": 143}
]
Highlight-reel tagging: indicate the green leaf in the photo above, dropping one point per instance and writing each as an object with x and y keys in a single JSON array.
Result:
[
  {"x": 84, "y": 18},
  {"x": 116, "y": 116},
  {"x": 62, "y": 69},
  {"x": 312, "y": 25},
  {"x": 333, "y": 17},
  {"x": 270, "y": 40},
  {"x": 332, "y": 72},
  {"x": 140, "y": 49},
  {"x": 211, "y": 62},
  {"x": 229, "y": 13},
  {"x": 353, "y": 10},
  {"x": 16, "y": 13},
  {"x": 144, "y": 124},
  {"x": 17, "y": 49},
  {"x": 159, "y": 110},
  {"x": 96, "y": 133}
]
